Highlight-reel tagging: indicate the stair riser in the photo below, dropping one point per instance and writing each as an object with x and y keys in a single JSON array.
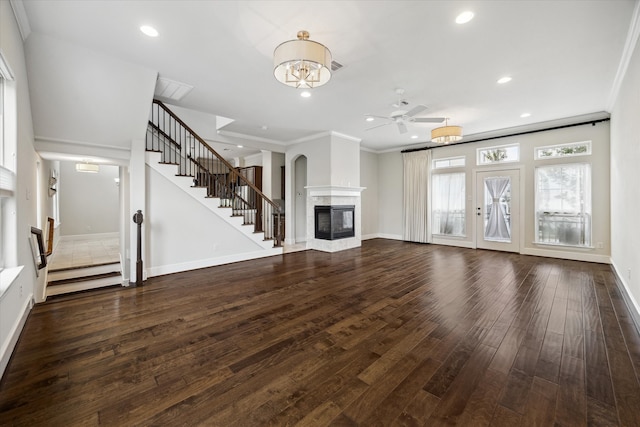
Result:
[
  {"x": 82, "y": 272},
  {"x": 83, "y": 286}
]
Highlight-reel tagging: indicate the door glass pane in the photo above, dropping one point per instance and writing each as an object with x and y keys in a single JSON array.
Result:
[{"x": 497, "y": 212}]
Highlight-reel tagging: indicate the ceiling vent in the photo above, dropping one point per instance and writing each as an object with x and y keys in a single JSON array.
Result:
[
  {"x": 171, "y": 89},
  {"x": 335, "y": 66}
]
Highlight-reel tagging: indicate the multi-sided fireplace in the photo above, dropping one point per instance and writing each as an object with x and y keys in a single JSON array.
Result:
[{"x": 334, "y": 222}]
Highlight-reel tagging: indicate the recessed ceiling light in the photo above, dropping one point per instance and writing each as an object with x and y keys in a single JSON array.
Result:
[
  {"x": 464, "y": 17},
  {"x": 149, "y": 31},
  {"x": 369, "y": 119},
  {"x": 305, "y": 94},
  {"x": 239, "y": 146},
  {"x": 414, "y": 136},
  {"x": 503, "y": 80},
  {"x": 523, "y": 115}
]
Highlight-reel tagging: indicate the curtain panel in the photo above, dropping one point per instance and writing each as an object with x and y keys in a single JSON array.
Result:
[{"x": 416, "y": 225}]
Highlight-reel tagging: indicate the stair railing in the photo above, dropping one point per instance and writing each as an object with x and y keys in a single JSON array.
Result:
[{"x": 179, "y": 145}]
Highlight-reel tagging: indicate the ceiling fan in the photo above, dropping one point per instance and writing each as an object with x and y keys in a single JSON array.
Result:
[{"x": 402, "y": 117}]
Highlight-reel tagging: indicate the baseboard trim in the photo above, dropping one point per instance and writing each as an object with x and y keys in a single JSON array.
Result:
[
  {"x": 601, "y": 259},
  {"x": 11, "y": 342},
  {"x": 210, "y": 262},
  {"x": 627, "y": 296},
  {"x": 381, "y": 236}
]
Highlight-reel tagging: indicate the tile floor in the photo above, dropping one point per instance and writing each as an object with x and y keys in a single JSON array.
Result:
[{"x": 88, "y": 251}]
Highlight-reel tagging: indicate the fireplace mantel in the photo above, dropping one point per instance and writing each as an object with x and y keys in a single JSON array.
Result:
[{"x": 334, "y": 191}]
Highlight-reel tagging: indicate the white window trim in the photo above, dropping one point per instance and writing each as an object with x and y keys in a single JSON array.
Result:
[
  {"x": 464, "y": 159},
  {"x": 479, "y": 161},
  {"x": 536, "y": 150}
]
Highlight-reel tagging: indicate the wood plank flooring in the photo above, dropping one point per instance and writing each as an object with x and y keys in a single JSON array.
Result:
[{"x": 389, "y": 334}]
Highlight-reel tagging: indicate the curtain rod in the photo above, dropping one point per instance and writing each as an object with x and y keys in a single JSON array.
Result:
[{"x": 590, "y": 122}]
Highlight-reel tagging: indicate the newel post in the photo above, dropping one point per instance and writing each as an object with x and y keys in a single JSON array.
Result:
[{"x": 138, "y": 218}]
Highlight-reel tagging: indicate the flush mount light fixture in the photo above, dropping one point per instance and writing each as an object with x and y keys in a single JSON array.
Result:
[
  {"x": 503, "y": 80},
  {"x": 87, "y": 167},
  {"x": 148, "y": 30},
  {"x": 302, "y": 63},
  {"x": 446, "y": 134},
  {"x": 464, "y": 17}
]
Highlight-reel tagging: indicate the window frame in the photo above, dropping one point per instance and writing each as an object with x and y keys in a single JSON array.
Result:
[
  {"x": 585, "y": 213},
  {"x": 536, "y": 150},
  {"x": 481, "y": 162},
  {"x": 449, "y": 159},
  {"x": 464, "y": 206}
]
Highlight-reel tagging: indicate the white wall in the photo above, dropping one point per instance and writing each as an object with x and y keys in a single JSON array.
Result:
[
  {"x": 182, "y": 234},
  {"x": 82, "y": 96},
  {"x": 89, "y": 202},
  {"x": 625, "y": 180},
  {"x": 390, "y": 189},
  {"x": 20, "y": 211},
  {"x": 370, "y": 201}
]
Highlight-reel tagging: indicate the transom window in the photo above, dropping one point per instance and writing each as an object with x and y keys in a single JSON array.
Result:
[
  {"x": 451, "y": 162},
  {"x": 563, "y": 150},
  {"x": 498, "y": 154}
]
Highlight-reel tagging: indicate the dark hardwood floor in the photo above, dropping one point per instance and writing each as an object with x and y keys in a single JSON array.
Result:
[{"x": 389, "y": 334}]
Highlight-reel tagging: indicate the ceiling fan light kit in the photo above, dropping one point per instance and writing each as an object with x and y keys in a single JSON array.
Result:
[{"x": 302, "y": 63}]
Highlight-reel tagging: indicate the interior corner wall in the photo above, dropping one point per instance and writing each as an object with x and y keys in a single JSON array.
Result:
[
  {"x": 370, "y": 202},
  {"x": 390, "y": 194},
  {"x": 625, "y": 191},
  {"x": 19, "y": 210},
  {"x": 89, "y": 202}
]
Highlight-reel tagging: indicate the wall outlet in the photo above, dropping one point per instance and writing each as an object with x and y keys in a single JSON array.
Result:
[
  {"x": 21, "y": 291},
  {"x": 629, "y": 273}
]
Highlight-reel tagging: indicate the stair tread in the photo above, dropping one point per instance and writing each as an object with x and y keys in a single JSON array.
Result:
[
  {"x": 78, "y": 267},
  {"x": 83, "y": 278}
]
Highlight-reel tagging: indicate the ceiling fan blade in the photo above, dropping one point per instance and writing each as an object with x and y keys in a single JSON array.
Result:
[
  {"x": 402, "y": 127},
  {"x": 416, "y": 110},
  {"x": 384, "y": 124},
  {"x": 428, "y": 119}
]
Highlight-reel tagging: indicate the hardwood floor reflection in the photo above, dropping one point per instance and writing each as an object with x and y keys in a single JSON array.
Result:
[{"x": 392, "y": 333}]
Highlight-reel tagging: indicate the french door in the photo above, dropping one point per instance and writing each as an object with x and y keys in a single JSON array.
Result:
[{"x": 498, "y": 210}]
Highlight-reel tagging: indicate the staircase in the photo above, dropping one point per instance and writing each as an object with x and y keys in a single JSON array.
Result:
[
  {"x": 75, "y": 279},
  {"x": 178, "y": 153}
]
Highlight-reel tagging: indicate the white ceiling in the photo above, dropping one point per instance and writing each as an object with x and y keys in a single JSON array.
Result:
[{"x": 562, "y": 55}]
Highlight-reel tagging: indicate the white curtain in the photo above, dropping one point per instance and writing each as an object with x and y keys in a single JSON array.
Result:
[
  {"x": 448, "y": 204},
  {"x": 417, "y": 182},
  {"x": 497, "y": 227}
]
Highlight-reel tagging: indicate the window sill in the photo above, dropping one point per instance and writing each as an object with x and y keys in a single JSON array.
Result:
[
  {"x": 562, "y": 245},
  {"x": 7, "y": 277}
]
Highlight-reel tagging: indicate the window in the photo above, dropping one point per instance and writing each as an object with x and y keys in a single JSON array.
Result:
[
  {"x": 501, "y": 154},
  {"x": 448, "y": 204},
  {"x": 563, "y": 204},
  {"x": 563, "y": 150},
  {"x": 451, "y": 162}
]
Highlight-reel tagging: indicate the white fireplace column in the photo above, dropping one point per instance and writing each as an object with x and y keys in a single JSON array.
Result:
[{"x": 331, "y": 195}]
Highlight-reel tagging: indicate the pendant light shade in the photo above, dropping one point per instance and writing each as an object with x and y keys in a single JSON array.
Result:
[
  {"x": 302, "y": 63},
  {"x": 446, "y": 134}
]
